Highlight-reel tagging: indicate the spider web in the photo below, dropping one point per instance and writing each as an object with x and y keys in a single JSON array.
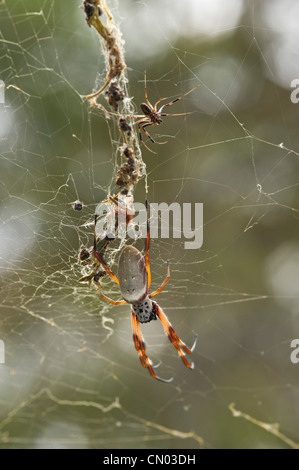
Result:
[{"x": 72, "y": 377}]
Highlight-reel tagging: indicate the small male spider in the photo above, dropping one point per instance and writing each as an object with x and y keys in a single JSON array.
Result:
[
  {"x": 134, "y": 282},
  {"x": 151, "y": 115}
]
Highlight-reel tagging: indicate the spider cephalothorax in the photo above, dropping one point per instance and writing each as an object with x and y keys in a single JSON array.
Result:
[
  {"x": 154, "y": 116},
  {"x": 144, "y": 310},
  {"x": 134, "y": 279}
]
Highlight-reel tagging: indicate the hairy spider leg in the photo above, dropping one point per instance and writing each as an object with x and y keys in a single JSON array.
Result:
[
  {"x": 98, "y": 255},
  {"x": 140, "y": 348},
  {"x": 96, "y": 105},
  {"x": 180, "y": 114},
  {"x": 178, "y": 344},
  {"x": 141, "y": 125},
  {"x": 177, "y": 99},
  {"x": 142, "y": 121},
  {"x": 114, "y": 302},
  {"x": 159, "y": 101},
  {"x": 146, "y": 251},
  {"x": 163, "y": 283},
  {"x": 153, "y": 141},
  {"x": 136, "y": 340}
]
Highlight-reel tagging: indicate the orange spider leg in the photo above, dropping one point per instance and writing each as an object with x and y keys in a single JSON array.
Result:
[
  {"x": 99, "y": 256},
  {"x": 174, "y": 337},
  {"x": 140, "y": 136},
  {"x": 159, "y": 101},
  {"x": 154, "y": 142},
  {"x": 146, "y": 251},
  {"x": 163, "y": 283},
  {"x": 140, "y": 347},
  {"x": 97, "y": 105},
  {"x": 177, "y": 99},
  {"x": 114, "y": 302},
  {"x": 145, "y": 91},
  {"x": 136, "y": 339},
  {"x": 128, "y": 115},
  {"x": 180, "y": 114},
  {"x": 141, "y": 125},
  {"x": 145, "y": 124}
]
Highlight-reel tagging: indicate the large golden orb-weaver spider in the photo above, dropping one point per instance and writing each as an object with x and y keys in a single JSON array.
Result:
[{"x": 134, "y": 279}]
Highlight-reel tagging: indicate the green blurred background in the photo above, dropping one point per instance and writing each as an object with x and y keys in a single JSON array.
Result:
[{"x": 72, "y": 377}]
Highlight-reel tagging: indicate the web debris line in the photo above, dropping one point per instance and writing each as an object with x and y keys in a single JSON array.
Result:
[
  {"x": 51, "y": 396},
  {"x": 98, "y": 406},
  {"x": 270, "y": 428}
]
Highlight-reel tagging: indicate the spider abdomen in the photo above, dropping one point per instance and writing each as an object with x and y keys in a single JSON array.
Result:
[
  {"x": 132, "y": 275},
  {"x": 145, "y": 109},
  {"x": 144, "y": 310}
]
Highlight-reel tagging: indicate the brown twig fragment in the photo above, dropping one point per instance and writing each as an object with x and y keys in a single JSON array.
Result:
[{"x": 116, "y": 65}]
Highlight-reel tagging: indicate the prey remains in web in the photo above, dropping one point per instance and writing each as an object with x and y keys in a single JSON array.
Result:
[{"x": 134, "y": 280}]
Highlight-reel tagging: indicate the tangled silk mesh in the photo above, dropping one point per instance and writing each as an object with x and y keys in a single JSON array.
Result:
[{"x": 72, "y": 377}]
